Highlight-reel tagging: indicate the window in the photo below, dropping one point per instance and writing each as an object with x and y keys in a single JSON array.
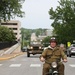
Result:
[
  {"x": 8, "y": 23},
  {"x": 13, "y": 28},
  {"x": 15, "y": 33}
]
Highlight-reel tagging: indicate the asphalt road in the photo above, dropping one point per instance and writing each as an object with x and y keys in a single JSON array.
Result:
[{"x": 22, "y": 65}]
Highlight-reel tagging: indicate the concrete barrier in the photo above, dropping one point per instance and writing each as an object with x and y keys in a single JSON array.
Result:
[{"x": 15, "y": 48}]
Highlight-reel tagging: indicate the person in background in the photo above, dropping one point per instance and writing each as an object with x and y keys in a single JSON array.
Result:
[{"x": 62, "y": 46}]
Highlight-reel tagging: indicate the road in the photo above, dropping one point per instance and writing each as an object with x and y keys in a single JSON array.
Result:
[{"x": 23, "y": 65}]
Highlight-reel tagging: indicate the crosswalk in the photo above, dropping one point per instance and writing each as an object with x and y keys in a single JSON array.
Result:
[
  {"x": 15, "y": 65},
  {"x": 72, "y": 65},
  {"x": 35, "y": 65},
  {"x": 19, "y": 65},
  {"x": 1, "y": 64},
  {"x": 31, "y": 65}
]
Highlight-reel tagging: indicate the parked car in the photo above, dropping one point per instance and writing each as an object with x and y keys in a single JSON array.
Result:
[
  {"x": 24, "y": 49},
  {"x": 71, "y": 50}
]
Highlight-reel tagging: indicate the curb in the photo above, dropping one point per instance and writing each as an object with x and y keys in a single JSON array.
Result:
[{"x": 10, "y": 57}]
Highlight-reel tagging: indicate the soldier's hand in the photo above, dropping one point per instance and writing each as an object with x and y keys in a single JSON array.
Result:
[
  {"x": 64, "y": 60},
  {"x": 42, "y": 59}
]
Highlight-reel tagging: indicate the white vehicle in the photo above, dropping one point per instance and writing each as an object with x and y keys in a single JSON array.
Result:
[{"x": 71, "y": 50}]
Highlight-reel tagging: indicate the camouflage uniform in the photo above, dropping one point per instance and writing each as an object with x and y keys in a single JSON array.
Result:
[{"x": 51, "y": 55}]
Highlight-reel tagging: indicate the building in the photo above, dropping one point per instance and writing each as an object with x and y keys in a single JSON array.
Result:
[
  {"x": 33, "y": 37},
  {"x": 49, "y": 32},
  {"x": 14, "y": 25},
  {"x": 41, "y": 37}
]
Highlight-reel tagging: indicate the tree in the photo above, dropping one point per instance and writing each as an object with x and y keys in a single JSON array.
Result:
[
  {"x": 26, "y": 34},
  {"x": 64, "y": 20},
  {"x": 6, "y": 35},
  {"x": 40, "y": 31},
  {"x": 10, "y": 8},
  {"x": 46, "y": 41}
]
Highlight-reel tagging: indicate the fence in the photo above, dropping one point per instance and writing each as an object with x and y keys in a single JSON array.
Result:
[{"x": 6, "y": 44}]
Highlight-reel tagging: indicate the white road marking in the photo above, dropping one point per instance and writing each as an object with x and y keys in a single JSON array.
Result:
[
  {"x": 36, "y": 60},
  {"x": 35, "y": 65},
  {"x": 72, "y": 65},
  {"x": 1, "y": 64},
  {"x": 12, "y": 60},
  {"x": 24, "y": 59},
  {"x": 15, "y": 65}
]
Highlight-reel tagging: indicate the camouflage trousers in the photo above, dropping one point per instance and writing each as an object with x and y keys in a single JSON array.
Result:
[{"x": 46, "y": 68}]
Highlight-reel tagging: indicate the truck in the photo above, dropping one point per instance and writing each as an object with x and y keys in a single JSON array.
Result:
[{"x": 35, "y": 47}]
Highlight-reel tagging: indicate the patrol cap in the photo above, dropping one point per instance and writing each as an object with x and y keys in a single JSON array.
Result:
[{"x": 53, "y": 39}]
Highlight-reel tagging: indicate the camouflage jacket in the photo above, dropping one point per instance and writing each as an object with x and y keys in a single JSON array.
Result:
[{"x": 54, "y": 54}]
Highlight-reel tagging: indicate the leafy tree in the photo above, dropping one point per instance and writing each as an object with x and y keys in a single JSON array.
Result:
[
  {"x": 26, "y": 34},
  {"x": 6, "y": 35},
  {"x": 40, "y": 31},
  {"x": 46, "y": 41},
  {"x": 10, "y": 8},
  {"x": 64, "y": 20}
]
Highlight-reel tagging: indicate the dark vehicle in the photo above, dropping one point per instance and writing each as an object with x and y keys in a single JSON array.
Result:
[
  {"x": 54, "y": 69},
  {"x": 71, "y": 50},
  {"x": 34, "y": 48}
]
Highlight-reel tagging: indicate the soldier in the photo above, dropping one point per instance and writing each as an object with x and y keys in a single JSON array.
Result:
[
  {"x": 52, "y": 53},
  {"x": 62, "y": 46}
]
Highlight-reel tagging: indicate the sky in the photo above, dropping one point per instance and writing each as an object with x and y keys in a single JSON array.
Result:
[{"x": 36, "y": 14}]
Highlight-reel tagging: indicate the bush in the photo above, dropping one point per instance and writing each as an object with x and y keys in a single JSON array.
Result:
[{"x": 6, "y": 34}]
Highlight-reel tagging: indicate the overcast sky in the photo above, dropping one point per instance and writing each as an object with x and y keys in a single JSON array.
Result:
[{"x": 36, "y": 13}]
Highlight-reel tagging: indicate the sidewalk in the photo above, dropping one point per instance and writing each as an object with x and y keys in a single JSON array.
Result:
[{"x": 9, "y": 56}]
